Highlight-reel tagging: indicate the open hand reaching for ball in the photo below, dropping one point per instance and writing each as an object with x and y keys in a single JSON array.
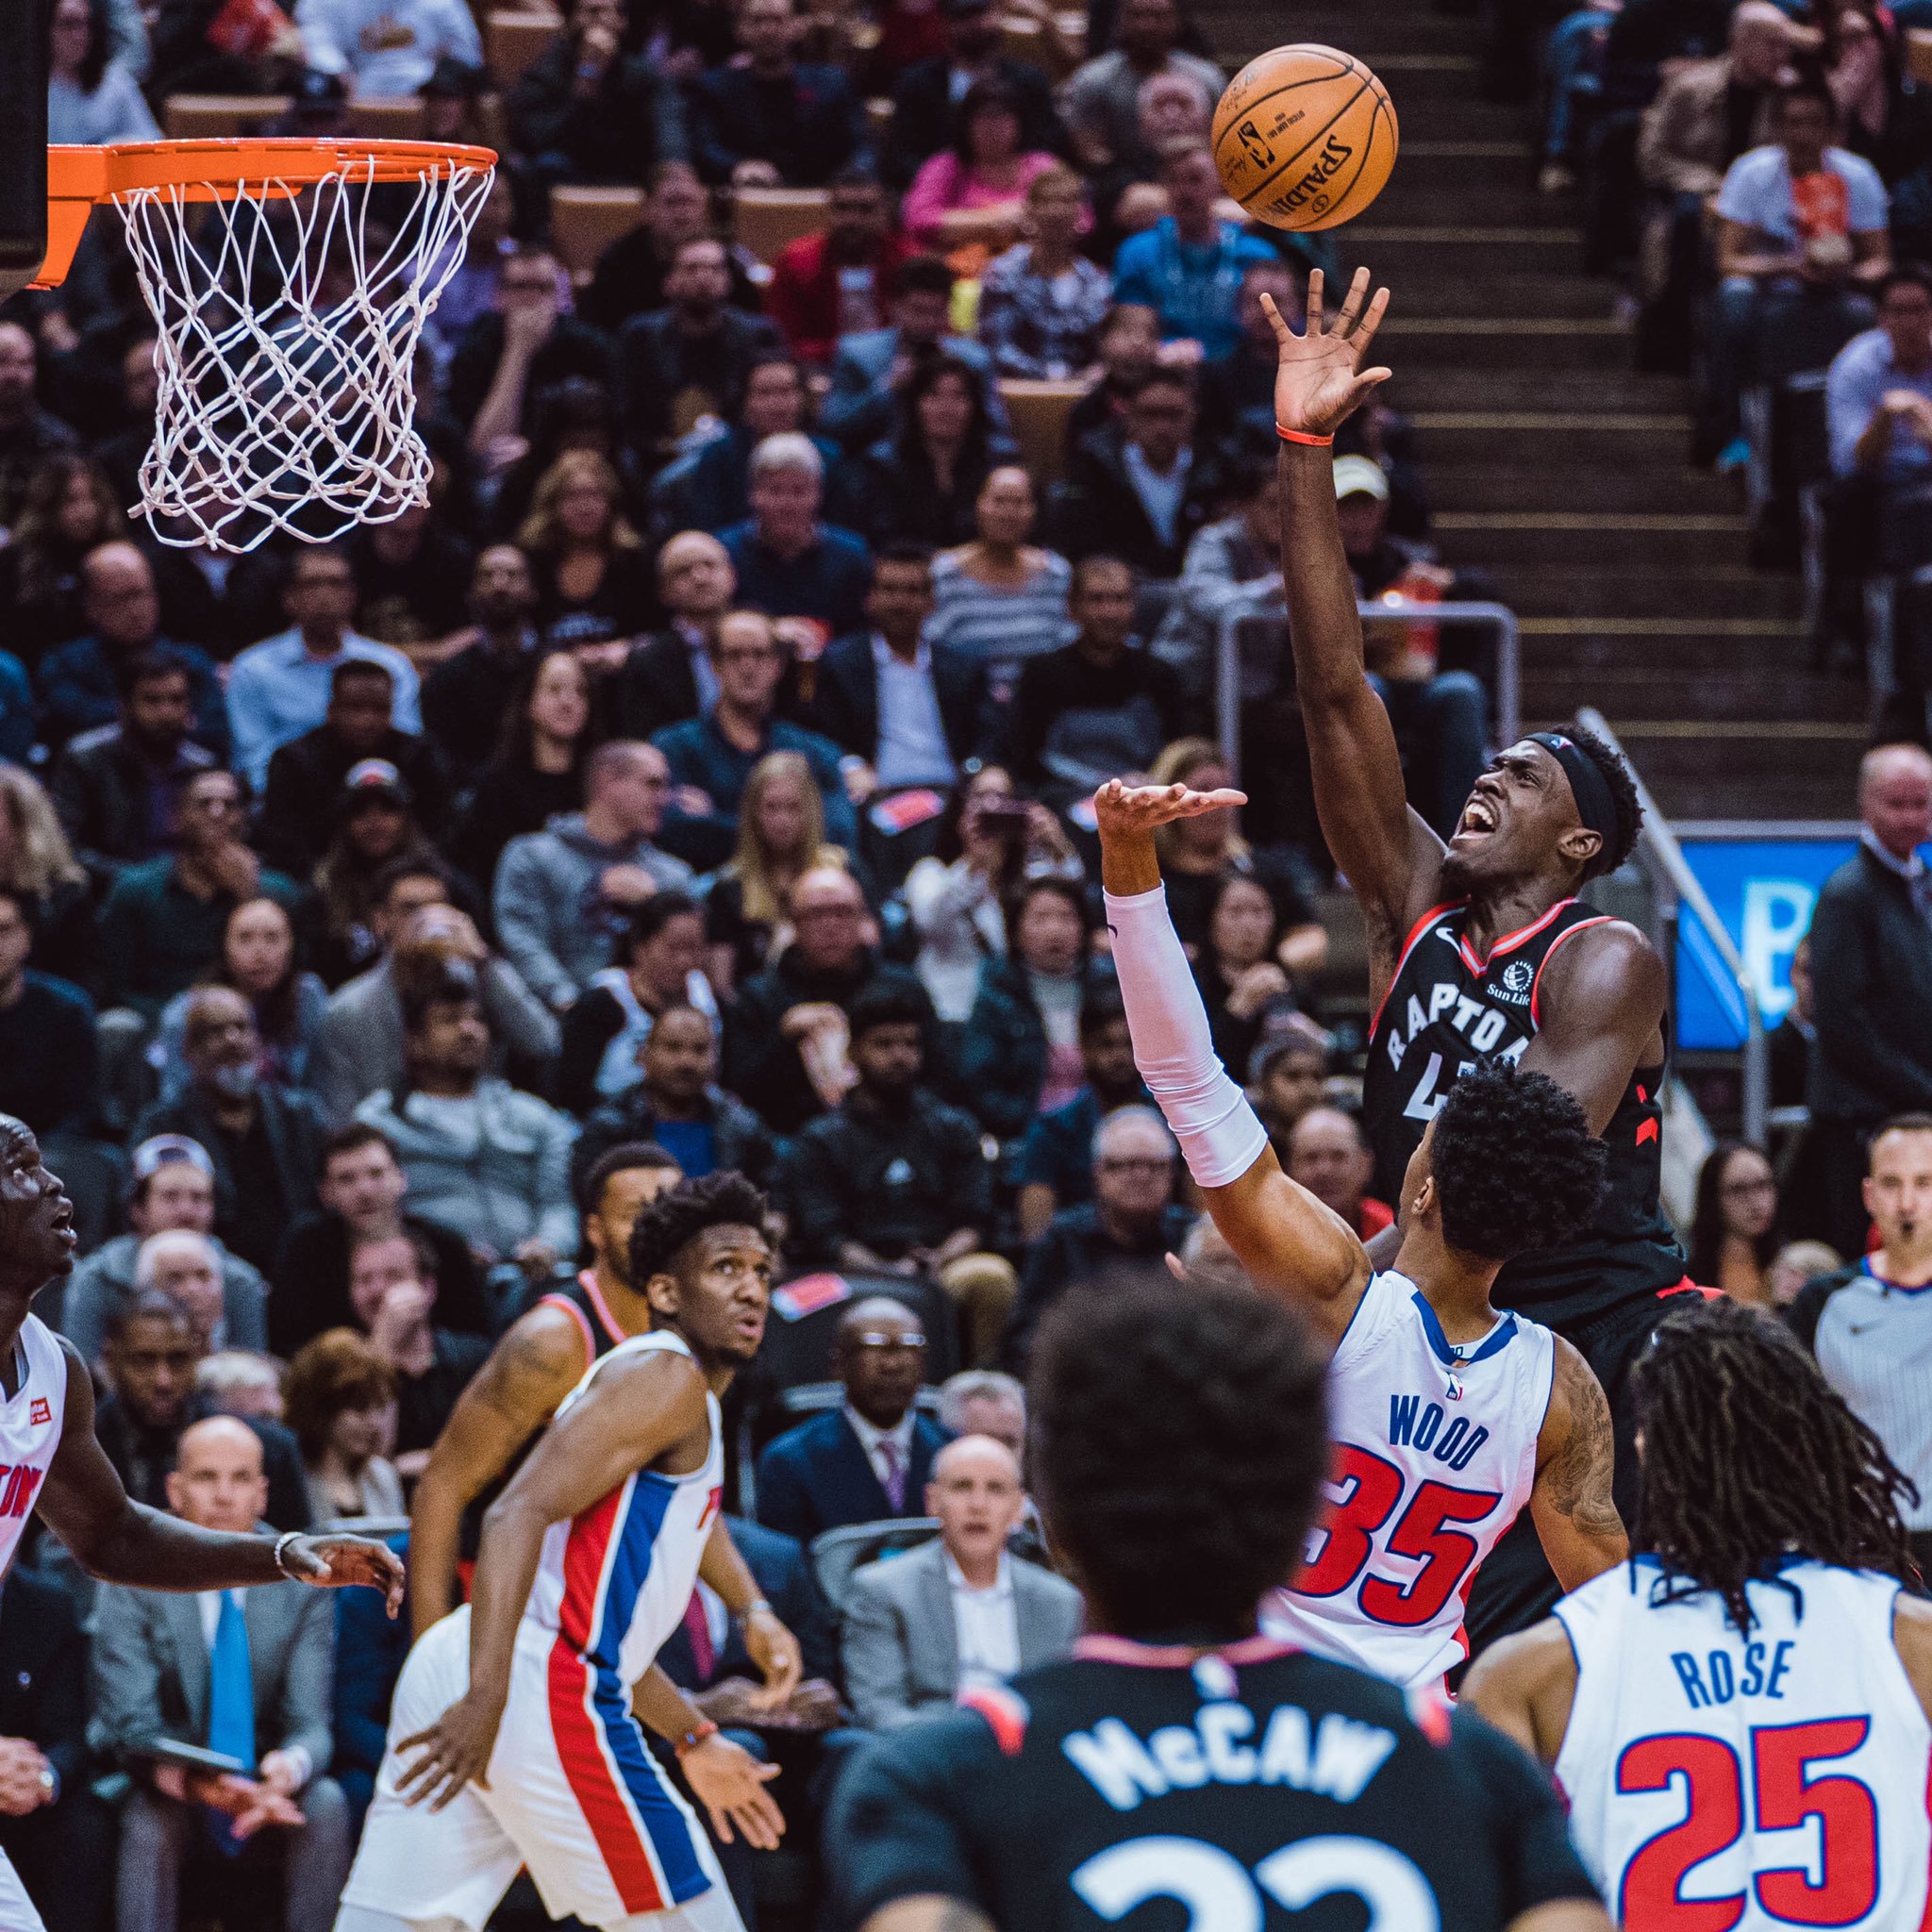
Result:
[{"x": 1319, "y": 379}]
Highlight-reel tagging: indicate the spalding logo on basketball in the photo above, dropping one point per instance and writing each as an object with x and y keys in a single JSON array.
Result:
[{"x": 1305, "y": 136}]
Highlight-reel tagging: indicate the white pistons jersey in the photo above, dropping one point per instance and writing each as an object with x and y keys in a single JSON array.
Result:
[
  {"x": 1722, "y": 1781},
  {"x": 613, "y": 1583},
  {"x": 30, "y": 1431},
  {"x": 1434, "y": 1456}
]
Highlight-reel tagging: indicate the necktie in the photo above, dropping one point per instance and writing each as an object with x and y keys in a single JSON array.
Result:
[
  {"x": 230, "y": 1704},
  {"x": 697, "y": 1626},
  {"x": 894, "y": 1481}
]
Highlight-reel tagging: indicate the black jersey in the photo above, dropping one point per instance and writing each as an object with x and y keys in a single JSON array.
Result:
[
  {"x": 1251, "y": 1786},
  {"x": 1446, "y": 1011}
]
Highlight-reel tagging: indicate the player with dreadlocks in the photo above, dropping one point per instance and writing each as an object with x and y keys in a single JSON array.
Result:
[{"x": 1739, "y": 1714}]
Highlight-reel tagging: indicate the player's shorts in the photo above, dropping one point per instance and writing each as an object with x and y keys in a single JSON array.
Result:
[
  {"x": 17, "y": 1913},
  {"x": 574, "y": 1793}
]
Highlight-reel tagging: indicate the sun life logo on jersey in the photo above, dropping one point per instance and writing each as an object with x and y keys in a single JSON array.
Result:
[{"x": 1518, "y": 977}]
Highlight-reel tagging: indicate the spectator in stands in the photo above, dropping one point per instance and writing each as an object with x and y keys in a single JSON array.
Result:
[
  {"x": 1795, "y": 1039},
  {"x": 1057, "y": 1160},
  {"x": 1130, "y": 349},
  {"x": 711, "y": 757},
  {"x": 384, "y": 51},
  {"x": 467, "y": 697},
  {"x": 1169, "y": 105},
  {"x": 241, "y": 1382},
  {"x": 48, "y": 1073},
  {"x": 957, "y": 1613},
  {"x": 921, "y": 485},
  {"x": 376, "y": 828},
  {"x": 781, "y": 836},
  {"x": 265, "y": 1141},
  {"x": 1878, "y": 396},
  {"x": 669, "y": 676},
  {"x": 1121, "y": 1236},
  {"x": 1229, "y": 564},
  {"x": 56, "y": 1831},
  {"x": 172, "y": 1192},
  {"x": 1188, "y": 266},
  {"x": 371, "y": 1648},
  {"x": 870, "y": 370},
  {"x": 71, "y": 508},
  {"x": 341, "y": 1405},
  {"x": 392, "y": 1290},
  {"x": 769, "y": 120},
  {"x": 892, "y": 1181},
  {"x": 967, "y": 199},
  {"x": 165, "y": 920},
  {"x": 789, "y": 563},
  {"x": 362, "y": 1189},
  {"x": 485, "y": 1161},
  {"x": 305, "y": 776},
  {"x": 1329, "y": 1153},
  {"x": 28, "y": 432},
  {"x": 592, "y": 577},
  {"x": 1242, "y": 984},
  {"x": 662, "y": 953},
  {"x": 679, "y": 1104},
  {"x": 187, "y": 1268},
  {"x": 870, "y": 1458},
  {"x": 563, "y": 894},
  {"x": 984, "y": 1401},
  {"x": 1042, "y": 302},
  {"x": 1001, "y": 598},
  {"x": 928, "y": 95},
  {"x": 1866, "y": 1323},
  {"x": 148, "y": 1358},
  {"x": 39, "y": 868},
  {"x": 538, "y": 769},
  {"x": 840, "y": 281},
  {"x": 1732, "y": 1237},
  {"x": 257, "y": 1688},
  {"x": 689, "y": 360},
  {"x": 410, "y": 571},
  {"x": 988, "y": 842},
  {"x": 280, "y": 687},
  {"x": 17, "y": 729},
  {"x": 1287, "y": 1075},
  {"x": 1101, "y": 705},
  {"x": 914, "y": 711},
  {"x": 787, "y": 1035},
  {"x": 1237, "y": 390},
  {"x": 1142, "y": 486},
  {"x": 80, "y": 686},
  {"x": 630, "y": 273},
  {"x": 587, "y": 111},
  {"x": 1801, "y": 239},
  {"x": 1872, "y": 968},
  {"x": 117, "y": 787},
  {"x": 1101, "y": 101}
]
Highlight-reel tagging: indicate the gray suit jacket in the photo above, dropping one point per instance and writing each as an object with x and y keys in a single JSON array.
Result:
[
  {"x": 150, "y": 1668},
  {"x": 901, "y": 1656}
]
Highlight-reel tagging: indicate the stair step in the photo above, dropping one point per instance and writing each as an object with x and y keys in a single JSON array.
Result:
[
  {"x": 1465, "y": 255},
  {"x": 1648, "y": 601},
  {"x": 1790, "y": 771},
  {"x": 1503, "y": 196},
  {"x": 1667, "y": 648},
  {"x": 1711, "y": 696},
  {"x": 1543, "y": 297},
  {"x": 1473, "y": 345},
  {"x": 1560, "y": 391},
  {"x": 1456, "y": 117},
  {"x": 1470, "y": 434},
  {"x": 1415, "y": 31},
  {"x": 1579, "y": 487},
  {"x": 1597, "y": 541}
]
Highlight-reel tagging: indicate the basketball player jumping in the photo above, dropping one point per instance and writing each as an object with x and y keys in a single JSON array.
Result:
[
  {"x": 1447, "y": 1417},
  {"x": 1739, "y": 1714},
  {"x": 513, "y": 1740},
  {"x": 1179, "y": 1768},
  {"x": 55, "y": 1466},
  {"x": 1480, "y": 950}
]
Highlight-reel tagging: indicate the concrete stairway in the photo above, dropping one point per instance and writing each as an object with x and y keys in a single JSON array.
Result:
[{"x": 1553, "y": 464}]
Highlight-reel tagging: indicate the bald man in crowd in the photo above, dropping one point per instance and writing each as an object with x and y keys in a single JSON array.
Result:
[
  {"x": 961, "y": 1612},
  {"x": 1872, "y": 968}
]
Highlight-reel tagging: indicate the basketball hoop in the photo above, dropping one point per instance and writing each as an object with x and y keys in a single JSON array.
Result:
[{"x": 288, "y": 282}]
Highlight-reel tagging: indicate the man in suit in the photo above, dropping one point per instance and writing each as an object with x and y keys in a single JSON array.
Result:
[
  {"x": 669, "y": 677},
  {"x": 765, "y": 120},
  {"x": 957, "y": 1613},
  {"x": 868, "y": 1459},
  {"x": 247, "y": 1674},
  {"x": 58, "y": 1834}
]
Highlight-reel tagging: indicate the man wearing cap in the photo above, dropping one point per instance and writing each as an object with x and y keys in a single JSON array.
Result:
[
  {"x": 307, "y": 776},
  {"x": 1480, "y": 947}
]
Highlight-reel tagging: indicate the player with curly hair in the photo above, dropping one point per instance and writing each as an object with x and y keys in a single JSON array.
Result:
[
  {"x": 1448, "y": 1416},
  {"x": 515, "y": 1739}
]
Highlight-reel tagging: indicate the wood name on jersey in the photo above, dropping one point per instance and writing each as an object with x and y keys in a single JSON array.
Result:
[{"x": 1486, "y": 1029}]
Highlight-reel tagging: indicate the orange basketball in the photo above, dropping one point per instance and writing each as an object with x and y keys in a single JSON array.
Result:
[{"x": 1305, "y": 136}]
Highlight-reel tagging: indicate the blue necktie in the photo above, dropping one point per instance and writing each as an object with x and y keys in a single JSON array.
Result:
[{"x": 230, "y": 1703}]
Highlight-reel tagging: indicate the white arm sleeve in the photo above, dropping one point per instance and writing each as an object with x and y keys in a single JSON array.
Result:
[{"x": 1219, "y": 1132}]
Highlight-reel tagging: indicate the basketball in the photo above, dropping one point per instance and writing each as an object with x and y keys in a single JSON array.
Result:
[{"x": 1305, "y": 136}]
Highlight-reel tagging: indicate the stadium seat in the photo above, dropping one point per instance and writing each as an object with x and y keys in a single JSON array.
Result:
[
  {"x": 836, "y": 1554},
  {"x": 512, "y": 40},
  {"x": 767, "y": 218},
  {"x": 404, "y": 119},
  {"x": 584, "y": 222},
  {"x": 1038, "y": 412},
  {"x": 219, "y": 117},
  {"x": 1919, "y": 55}
]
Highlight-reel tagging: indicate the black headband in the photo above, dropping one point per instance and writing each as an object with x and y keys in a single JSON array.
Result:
[{"x": 1595, "y": 805}]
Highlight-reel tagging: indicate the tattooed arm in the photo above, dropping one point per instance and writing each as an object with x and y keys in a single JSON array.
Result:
[
  {"x": 927, "y": 1915},
  {"x": 1575, "y": 1453}
]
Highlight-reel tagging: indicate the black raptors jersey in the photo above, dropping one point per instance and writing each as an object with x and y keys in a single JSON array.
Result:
[
  {"x": 1447, "y": 1011},
  {"x": 1254, "y": 1786}
]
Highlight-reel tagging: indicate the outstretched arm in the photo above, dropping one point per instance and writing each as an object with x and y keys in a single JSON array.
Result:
[
  {"x": 1575, "y": 1456},
  {"x": 1389, "y": 856},
  {"x": 117, "y": 1539},
  {"x": 1288, "y": 1242}
]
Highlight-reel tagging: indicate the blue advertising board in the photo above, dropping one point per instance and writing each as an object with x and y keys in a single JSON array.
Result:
[{"x": 1763, "y": 889}]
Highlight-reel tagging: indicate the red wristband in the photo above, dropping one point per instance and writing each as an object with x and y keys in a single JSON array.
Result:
[
  {"x": 694, "y": 1736},
  {"x": 1297, "y": 435}
]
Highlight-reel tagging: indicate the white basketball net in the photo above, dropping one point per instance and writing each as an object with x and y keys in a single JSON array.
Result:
[{"x": 288, "y": 317}]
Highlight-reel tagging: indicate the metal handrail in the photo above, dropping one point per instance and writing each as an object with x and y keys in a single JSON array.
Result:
[
  {"x": 1659, "y": 844},
  {"x": 1266, "y": 600}
]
